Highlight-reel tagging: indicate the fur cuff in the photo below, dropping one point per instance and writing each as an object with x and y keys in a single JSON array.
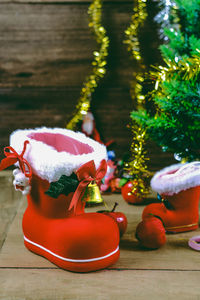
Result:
[
  {"x": 176, "y": 178},
  {"x": 48, "y": 153}
]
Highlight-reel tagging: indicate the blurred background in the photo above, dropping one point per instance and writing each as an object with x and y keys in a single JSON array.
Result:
[{"x": 46, "y": 50}]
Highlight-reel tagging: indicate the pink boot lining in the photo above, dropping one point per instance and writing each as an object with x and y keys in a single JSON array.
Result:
[{"x": 62, "y": 143}]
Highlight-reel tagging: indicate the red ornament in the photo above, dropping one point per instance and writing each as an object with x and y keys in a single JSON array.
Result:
[
  {"x": 127, "y": 194},
  {"x": 151, "y": 233},
  {"x": 119, "y": 218}
]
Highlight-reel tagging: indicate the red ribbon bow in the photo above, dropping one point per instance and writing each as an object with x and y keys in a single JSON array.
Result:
[
  {"x": 12, "y": 157},
  {"x": 86, "y": 174}
]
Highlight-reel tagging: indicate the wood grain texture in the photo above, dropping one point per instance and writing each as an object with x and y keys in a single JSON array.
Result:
[
  {"x": 9, "y": 202},
  {"x": 51, "y": 45},
  {"x": 48, "y": 284}
]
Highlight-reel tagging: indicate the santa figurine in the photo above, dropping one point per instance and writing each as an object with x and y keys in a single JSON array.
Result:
[{"x": 89, "y": 127}]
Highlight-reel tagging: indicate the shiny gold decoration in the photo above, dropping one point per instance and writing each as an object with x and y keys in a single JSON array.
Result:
[
  {"x": 133, "y": 46},
  {"x": 137, "y": 19},
  {"x": 92, "y": 194},
  {"x": 137, "y": 166},
  {"x": 187, "y": 69},
  {"x": 99, "y": 63}
]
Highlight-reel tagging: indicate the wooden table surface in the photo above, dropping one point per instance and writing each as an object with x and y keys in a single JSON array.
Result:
[{"x": 171, "y": 272}]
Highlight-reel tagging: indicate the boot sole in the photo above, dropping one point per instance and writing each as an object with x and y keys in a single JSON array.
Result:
[{"x": 74, "y": 265}]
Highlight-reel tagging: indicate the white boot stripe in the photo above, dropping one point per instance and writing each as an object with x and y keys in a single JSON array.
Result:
[{"x": 69, "y": 259}]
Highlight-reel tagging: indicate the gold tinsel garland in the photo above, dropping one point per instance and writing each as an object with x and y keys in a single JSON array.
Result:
[
  {"x": 137, "y": 167},
  {"x": 137, "y": 19},
  {"x": 187, "y": 69},
  {"x": 99, "y": 63}
]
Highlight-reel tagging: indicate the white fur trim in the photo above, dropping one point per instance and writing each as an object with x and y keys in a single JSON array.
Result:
[
  {"x": 183, "y": 177},
  {"x": 46, "y": 161}
]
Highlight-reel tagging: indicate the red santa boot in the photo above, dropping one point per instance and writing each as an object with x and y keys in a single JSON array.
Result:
[
  {"x": 60, "y": 164},
  {"x": 179, "y": 187}
]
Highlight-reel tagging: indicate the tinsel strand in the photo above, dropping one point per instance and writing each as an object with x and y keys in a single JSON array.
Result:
[
  {"x": 133, "y": 46},
  {"x": 99, "y": 63},
  {"x": 187, "y": 69},
  {"x": 138, "y": 17},
  {"x": 137, "y": 166}
]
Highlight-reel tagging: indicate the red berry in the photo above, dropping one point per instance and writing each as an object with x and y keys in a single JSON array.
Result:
[
  {"x": 128, "y": 195},
  {"x": 119, "y": 218},
  {"x": 151, "y": 233}
]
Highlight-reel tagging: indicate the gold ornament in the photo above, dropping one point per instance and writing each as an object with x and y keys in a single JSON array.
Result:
[
  {"x": 92, "y": 194},
  {"x": 137, "y": 166},
  {"x": 99, "y": 63}
]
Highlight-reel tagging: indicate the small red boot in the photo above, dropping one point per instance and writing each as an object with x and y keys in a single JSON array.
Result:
[
  {"x": 179, "y": 186},
  {"x": 55, "y": 225}
]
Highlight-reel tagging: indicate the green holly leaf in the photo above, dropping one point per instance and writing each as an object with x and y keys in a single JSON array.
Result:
[{"x": 65, "y": 185}]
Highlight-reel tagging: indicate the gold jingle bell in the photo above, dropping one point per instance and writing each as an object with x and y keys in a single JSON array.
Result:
[{"x": 92, "y": 194}]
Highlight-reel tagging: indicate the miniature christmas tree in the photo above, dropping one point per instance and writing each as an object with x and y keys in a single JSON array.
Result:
[{"x": 176, "y": 124}]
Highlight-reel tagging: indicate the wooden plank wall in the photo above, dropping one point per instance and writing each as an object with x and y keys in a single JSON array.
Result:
[{"x": 45, "y": 54}]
